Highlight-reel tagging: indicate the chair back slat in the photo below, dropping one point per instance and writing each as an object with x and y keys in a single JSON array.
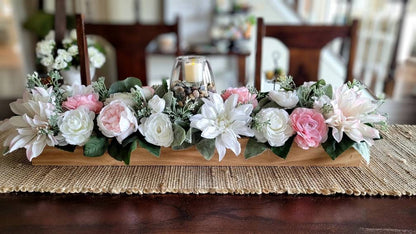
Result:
[
  {"x": 60, "y": 22},
  {"x": 83, "y": 51},
  {"x": 130, "y": 42},
  {"x": 305, "y": 43}
]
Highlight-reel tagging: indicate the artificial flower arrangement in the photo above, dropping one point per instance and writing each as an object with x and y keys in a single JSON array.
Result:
[
  {"x": 118, "y": 119},
  {"x": 53, "y": 58}
]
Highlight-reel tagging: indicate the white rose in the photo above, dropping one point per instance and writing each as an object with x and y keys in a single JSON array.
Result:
[
  {"x": 157, "y": 129},
  {"x": 157, "y": 104},
  {"x": 117, "y": 120},
  {"x": 285, "y": 99},
  {"x": 273, "y": 126},
  {"x": 76, "y": 126},
  {"x": 127, "y": 98}
]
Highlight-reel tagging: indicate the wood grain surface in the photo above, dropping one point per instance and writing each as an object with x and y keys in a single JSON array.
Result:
[{"x": 80, "y": 213}]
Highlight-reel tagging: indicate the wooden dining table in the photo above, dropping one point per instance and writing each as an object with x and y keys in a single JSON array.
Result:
[{"x": 180, "y": 213}]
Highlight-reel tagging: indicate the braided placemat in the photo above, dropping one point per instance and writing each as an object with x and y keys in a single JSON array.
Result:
[{"x": 392, "y": 171}]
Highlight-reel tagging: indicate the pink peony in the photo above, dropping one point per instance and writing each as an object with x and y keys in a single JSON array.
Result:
[
  {"x": 310, "y": 127},
  {"x": 90, "y": 101},
  {"x": 244, "y": 96},
  {"x": 117, "y": 120}
]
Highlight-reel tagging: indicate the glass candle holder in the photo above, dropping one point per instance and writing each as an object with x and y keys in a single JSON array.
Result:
[{"x": 191, "y": 78}]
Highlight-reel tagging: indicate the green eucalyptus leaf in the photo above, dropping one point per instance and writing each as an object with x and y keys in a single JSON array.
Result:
[
  {"x": 178, "y": 134},
  {"x": 261, "y": 104},
  {"x": 129, "y": 140},
  {"x": 124, "y": 85},
  {"x": 271, "y": 105},
  {"x": 125, "y": 152},
  {"x": 95, "y": 146},
  {"x": 283, "y": 151},
  {"x": 206, "y": 147},
  {"x": 114, "y": 150},
  {"x": 69, "y": 148},
  {"x": 168, "y": 97},
  {"x": 333, "y": 148},
  {"x": 254, "y": 148},
  {"x": 153, "y": 149}
]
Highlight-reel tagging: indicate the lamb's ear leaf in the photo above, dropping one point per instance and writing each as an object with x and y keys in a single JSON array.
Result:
[
  {"x": 124, "y": 85},
  {"x": 206, "y": 147},
  {"x": 179, "y": 135}
]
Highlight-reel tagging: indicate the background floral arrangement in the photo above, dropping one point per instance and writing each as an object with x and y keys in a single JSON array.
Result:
[
  {"x": 115, "y": 120},
  {"x": 54, "y": 58}
]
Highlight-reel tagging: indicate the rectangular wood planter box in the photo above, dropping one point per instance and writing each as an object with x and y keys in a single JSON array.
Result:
[{"x": 191, "y": 157}]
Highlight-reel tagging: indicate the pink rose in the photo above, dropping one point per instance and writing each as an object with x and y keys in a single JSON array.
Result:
[
  {"x": 117, "y": 120},
  {"x": 90, "y": 101},
  {"x": 310, "y": 127},
  {"x": 244, "y": 95}
]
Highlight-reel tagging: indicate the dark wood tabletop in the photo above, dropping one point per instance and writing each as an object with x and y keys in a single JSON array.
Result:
[{"x": 173, "y": 213}]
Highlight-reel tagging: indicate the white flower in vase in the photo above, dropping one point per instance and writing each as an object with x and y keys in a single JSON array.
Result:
[
  {"x": 66, "y": 60},
  {"x": 45, "y": 48},
  {"x": 224, "y": 122},
  {"x": 73, "y": 76},
  {"x": 273, "y": 126},
  {"x": 97, "y": 59},
  {"x": 76, "y": 126},
  {"x": 351, "y": 114},
  {"x": 73, "y": 50}
]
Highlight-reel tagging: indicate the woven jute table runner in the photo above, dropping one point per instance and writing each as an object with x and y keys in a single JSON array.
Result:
[{"x": 392, "y": 171}]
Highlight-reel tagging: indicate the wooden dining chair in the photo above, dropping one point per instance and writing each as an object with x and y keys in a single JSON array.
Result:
[
  {"x": 84, "y": 62},
  {"x": 130, "y": 42},
  {"x": 304, "y": 43}
]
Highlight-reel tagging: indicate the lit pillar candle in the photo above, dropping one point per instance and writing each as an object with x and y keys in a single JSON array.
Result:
[{"x": 193, "y": 72}]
